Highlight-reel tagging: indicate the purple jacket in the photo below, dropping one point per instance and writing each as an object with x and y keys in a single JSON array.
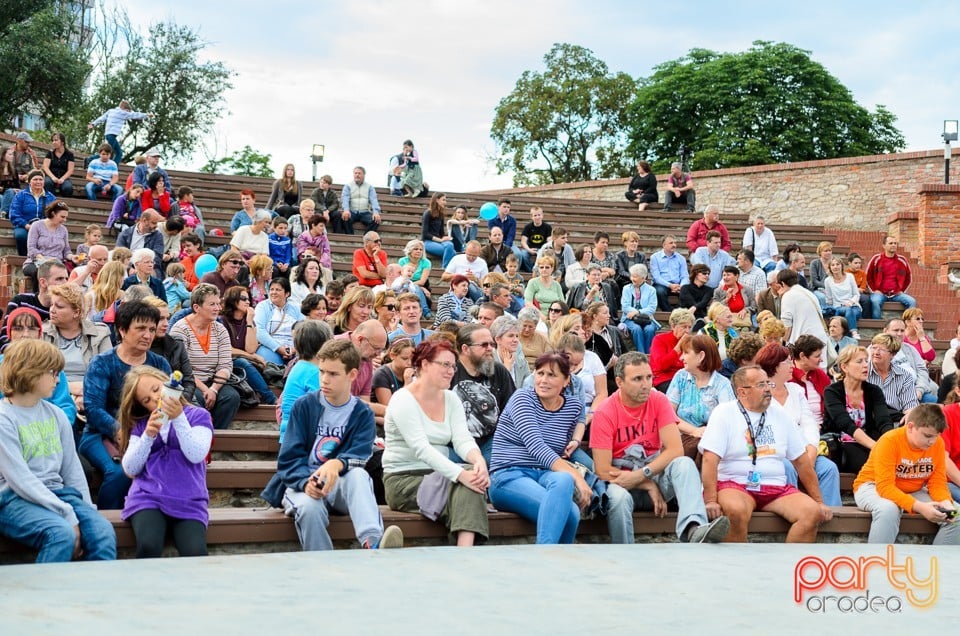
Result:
[{"x": 169, "y": 482}]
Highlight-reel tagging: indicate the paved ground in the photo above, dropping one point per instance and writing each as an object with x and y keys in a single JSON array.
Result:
[{"x": 585, "y": 589}]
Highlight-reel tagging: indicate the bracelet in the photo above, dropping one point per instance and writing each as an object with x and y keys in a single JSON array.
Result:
[{"x": 579, "y": 442}]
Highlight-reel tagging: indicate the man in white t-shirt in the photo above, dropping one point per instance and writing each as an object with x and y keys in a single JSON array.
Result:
[
  {"x": 744, "y": 446},
  {"x": 470, "y": 265},
  {"x": 799, "y": 309},
  {"x": 760, "y": 240}
]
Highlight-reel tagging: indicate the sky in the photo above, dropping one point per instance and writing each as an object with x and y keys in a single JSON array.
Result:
[{"x": 361, "y": 76}]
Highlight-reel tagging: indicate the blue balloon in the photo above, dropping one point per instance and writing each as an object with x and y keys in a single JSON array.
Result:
[
  {"x": 488, "y": 211},
  {"x": 204, "y": 265}
]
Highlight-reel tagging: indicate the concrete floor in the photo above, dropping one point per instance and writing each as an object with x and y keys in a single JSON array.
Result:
[{"x": 582, "y": 589}]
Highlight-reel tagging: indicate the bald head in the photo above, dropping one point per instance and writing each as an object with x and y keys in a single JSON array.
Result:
[{"x": 370, "y": 338}]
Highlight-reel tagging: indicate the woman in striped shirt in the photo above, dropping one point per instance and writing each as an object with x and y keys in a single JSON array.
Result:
[
  {"x": 529, "y": 474},
  {"x": 208, "y": 346}
]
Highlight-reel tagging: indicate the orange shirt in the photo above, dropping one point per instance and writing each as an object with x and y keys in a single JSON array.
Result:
[
  {"x": 898, "y": 469},
  {"x": 860, "y": 277}
]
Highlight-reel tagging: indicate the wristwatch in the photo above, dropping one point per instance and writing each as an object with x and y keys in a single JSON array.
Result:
[{"x": 647, "y": 472}]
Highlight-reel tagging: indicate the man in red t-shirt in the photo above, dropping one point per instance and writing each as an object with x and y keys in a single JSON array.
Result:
[
  {"x": 888, "y": 275},
  {"x": 370, "y": 262},
  {"x": 636, "y": 447}
]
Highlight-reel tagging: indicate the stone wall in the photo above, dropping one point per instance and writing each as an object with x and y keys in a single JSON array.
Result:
[{"x": 855, "y": 193}]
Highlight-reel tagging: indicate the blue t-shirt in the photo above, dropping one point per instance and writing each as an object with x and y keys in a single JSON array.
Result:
[{"x": 303, "y": 378}]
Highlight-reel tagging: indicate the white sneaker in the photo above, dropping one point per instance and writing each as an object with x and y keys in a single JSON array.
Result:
[{"x": 713, "y": 532}]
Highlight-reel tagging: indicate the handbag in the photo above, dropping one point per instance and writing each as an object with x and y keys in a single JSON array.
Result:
[
  {"x": 641, "y": 319},
  {"x": 831, "y": 447},
  {"x": 248, "y": 397}
]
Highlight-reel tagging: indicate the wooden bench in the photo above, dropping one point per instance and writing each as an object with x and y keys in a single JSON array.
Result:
[{"x": 249, "y": 527}]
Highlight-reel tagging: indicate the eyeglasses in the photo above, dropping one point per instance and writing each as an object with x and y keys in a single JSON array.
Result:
[
  {"x": 377, "y": 241},
  {"x": 485, "y": 345},
  {"x": 555, "y": 310},
  {"x": 446, "y": 365},
  {"x": 762, "y": 385},
  {"x": 235, "y": 262}
]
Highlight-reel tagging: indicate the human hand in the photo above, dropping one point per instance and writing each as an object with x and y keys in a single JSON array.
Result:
[
  {"x": 154, "y": 424},
  {"x": 77, "y": 546},
  {"x": 469, "y": 478},
  {"x": 376, "y": 217},
  {"x": 584, "y": 492},
  {"x": 928, "y": 510},
  {"x": 171, "y": 408},
  {"x": 659, "y": 503},
  {"x": 713, "y": 510},
  {"x": 826, "y": 513},
  {"x": 209, "y": 398},
  {"x": 571, "y": 448}
]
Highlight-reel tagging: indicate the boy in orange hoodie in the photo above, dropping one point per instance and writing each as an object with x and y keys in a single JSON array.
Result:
[{"x": 907, "y": 471}]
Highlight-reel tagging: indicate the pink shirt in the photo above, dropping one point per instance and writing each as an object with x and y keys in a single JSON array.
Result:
[{"x": 616, "y": 427}]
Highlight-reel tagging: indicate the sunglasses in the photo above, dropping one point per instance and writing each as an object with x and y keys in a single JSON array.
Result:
[
  {"x": 555, "y": 310},
  {"x": 390, "y": 307},
  {"x": 235, "y": 262}
]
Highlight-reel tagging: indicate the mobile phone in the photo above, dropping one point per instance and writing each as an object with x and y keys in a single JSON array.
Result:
[{"x": 951, "y": 514}]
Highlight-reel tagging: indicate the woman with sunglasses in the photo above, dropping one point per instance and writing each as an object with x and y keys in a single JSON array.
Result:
[
  {"x": 227, "y": 273},
  {"x": 385, "y": 308},
  {"x": 237, "y": 317}
]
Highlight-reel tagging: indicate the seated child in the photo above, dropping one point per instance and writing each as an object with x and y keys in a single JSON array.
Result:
[
  {"x": 906, "y": 471},
  {"x": 172, "y": 229},
  {"x": 176, "y": 287},
  {"x": 44, "y": 499},
  {"x": 92, "y": 235},
  {"x": 164, "y": 445},
  {"x": 320, "y": 471},
  {"x": 281, "y": 248}
]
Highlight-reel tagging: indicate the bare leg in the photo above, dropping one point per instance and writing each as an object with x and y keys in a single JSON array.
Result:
[
  {"x": 802, "y": 512},
  {"x": 465, "y": 538},
  {"x": 738, "y": 506}
]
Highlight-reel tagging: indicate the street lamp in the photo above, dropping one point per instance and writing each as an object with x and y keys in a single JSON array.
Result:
[
  {"x": 949, "y": 134},
  {"x": 316, "y": 155}
]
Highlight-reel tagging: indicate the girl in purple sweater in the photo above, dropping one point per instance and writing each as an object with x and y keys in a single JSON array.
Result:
[{"x": 167, "y": 463}]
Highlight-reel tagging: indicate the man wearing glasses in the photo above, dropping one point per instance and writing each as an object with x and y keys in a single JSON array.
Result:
[
  {"x": 370, "y": 261},
  {"x": 743, "y": 448},
  {"x": 370, "y": 338},
  {"x": 482, "y": 384}
]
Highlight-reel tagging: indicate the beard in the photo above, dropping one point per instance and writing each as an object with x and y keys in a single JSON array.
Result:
[{"x": 486, "y": 366}]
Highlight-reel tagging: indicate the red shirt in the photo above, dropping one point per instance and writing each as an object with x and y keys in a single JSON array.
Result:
[
  {"x": 735, "y": 301},
  {"x": 365, "y": 262},
  {"x": 616, "y": 427},
  {"x": 951, "y": 434},
  {"x": 664, "y": 359}
]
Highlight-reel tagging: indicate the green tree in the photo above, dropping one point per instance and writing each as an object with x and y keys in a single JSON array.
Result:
[
  {"x": 769, "y": 104},
  {"x": 245, "y": 162},
  {"x": 160, "y": 74},
  {"x": 565, "y": 124},
  {"x": 43, "y": 68}
]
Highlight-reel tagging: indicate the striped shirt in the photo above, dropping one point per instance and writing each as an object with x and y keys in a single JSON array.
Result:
[
  {"x": 205, "y": 363},
  {"x": 529, "y": 435},
  {"x": 899, "y": 389}
]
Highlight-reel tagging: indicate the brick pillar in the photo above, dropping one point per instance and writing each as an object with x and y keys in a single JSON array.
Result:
[{"x": 938, "y": 220}]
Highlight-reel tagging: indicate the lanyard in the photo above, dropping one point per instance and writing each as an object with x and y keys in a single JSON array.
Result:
[{"x": 753, "y": 436}]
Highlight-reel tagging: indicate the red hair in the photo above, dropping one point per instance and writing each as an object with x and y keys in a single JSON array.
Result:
[
  {"x": 249, "y": 193},
  {"x": 428, "y": 350}
]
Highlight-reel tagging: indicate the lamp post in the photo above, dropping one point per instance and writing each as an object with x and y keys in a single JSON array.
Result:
[
  {"x": 316, "y": 156},
  {"x": 949, "y": 134}
]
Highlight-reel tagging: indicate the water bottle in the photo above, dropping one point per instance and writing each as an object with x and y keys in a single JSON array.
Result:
[{"x": 172, "y": 390}]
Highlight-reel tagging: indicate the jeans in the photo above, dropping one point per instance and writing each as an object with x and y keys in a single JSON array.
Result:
[
  {"x": 94, "y": 191},
  {"x": 689, "y": 197},
  {"x": 444, "y": 249},
  {"x": 424, "y": 303},
  {"x": 663, "y": 293},
  {"x": 680, "y": 481},
  {"x": 150, "y": 530},
  {"x": 852, "y": 314},
  {"x": 65, "y": 189},
  {"x": 886, "y": 517},
  {"x": 363, "y": 217},
  {"x": 461, "y": 238},
  {"x": 20, "y": 236},
  {"x": 353, "y": 495},
  {"x": 7, "y": 200},
  {"x": 117, "y": 150},
  {"x": 225, "y": 408},
  {"x": 486, "y": 449},
  {"x": 642, "y": 336},
  {"x": 255, "y": 380},
  {"x": 828, "y": 476},
  {"x": 115, "y": 484},
  {"x": 542, "y": 496},
  {"x": 877, "y": 299},
  {"x": 475, "y": 293},
  {"x": 269, "y": 355},
  {"x": 52, "y": 535}
]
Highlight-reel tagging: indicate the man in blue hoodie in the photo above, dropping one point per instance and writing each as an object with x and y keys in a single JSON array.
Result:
[{"x": 320, "y": 467}]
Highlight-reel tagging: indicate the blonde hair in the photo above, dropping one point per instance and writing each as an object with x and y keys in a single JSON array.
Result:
[
  {"x": 260, "y": 264},
  {"x": 773, "y": 329},
  {"x": 341, "y": 317},
  {"x": 120, "y": 254},
  {"x": 128, "y": 399},
  {"x": 561, "y": 326},
  {"x": 73, "y": 294},
  {"x": 824, "y": 245},
  {"x": 106, "y": 289},
  {"x": 844, "y": 358},
  {"x": 680, "y": 316},
  {"x": 715, "y": 311},
  {"x": 25, "y": 362}
]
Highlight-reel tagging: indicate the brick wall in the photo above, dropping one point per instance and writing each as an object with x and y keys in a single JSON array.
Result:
[{"x": 857, "y": 193}]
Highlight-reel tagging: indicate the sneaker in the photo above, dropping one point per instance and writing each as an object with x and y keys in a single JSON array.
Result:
[
  {"x": 855, "y": 334},
  {"x": 393, "y": 538},
  {"x": 713, "y": 532}
]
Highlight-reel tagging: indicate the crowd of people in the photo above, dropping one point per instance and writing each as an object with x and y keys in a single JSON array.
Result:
[{"x": 545, "y": 386}]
